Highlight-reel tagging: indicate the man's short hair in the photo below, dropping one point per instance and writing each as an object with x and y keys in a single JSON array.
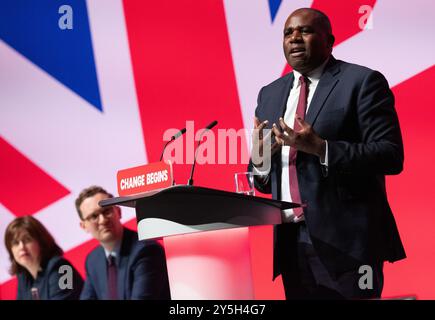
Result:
[
  {"x": 89, "y": 192},
  {"x": 324, "y": 19}
]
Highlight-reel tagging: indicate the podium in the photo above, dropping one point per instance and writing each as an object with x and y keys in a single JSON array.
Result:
[{"x": 203, "y": 265}]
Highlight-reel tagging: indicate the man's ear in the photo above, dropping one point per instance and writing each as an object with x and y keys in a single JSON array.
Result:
[
  {"x": 82, "y": 225},
  {"x": 331, "y": 40},
  {"x": 118, "y": 210}
]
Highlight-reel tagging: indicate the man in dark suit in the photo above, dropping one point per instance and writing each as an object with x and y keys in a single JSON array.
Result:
[
  {"x": 336, "y": 135},
  {"x": 121, "y": 267}
]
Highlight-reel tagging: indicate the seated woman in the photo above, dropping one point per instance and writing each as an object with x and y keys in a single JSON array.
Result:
[{"x": 42, "y": 272}]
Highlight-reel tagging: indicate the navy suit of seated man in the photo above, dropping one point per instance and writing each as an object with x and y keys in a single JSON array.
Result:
[{"x": 121, "y": 267}]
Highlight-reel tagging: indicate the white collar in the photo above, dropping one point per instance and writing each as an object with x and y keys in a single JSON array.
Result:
[{"x": 115, "y": 252}]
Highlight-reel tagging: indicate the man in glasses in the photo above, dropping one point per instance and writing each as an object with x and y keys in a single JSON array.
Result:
[{"x": 121, "y": 267}]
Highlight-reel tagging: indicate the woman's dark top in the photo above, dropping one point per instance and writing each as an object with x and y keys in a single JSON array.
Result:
[{"x": 58, "y": 280}]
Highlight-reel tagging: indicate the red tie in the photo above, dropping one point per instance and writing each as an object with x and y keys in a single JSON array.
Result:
[
  {"x": 293, "y": 177},
  {"x": 112, "y": 278}
]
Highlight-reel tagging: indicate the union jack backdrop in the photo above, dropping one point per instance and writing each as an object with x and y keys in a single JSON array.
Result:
[{"x": 76, "y": 105}]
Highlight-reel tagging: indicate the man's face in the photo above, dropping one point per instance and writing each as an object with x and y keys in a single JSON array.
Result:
[
  {"x": 102, "y": 223},
  {"x": 306, "y": 43}
]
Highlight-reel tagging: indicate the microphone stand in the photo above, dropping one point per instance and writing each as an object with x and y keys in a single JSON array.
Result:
[{"x": 211, "y": 125}]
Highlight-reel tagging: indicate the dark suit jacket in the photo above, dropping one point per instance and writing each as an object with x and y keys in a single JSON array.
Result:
[
  {"x": 347, "y": 213},
  {"x": 142, "y": 272},
  {"x": 47, "y": 282}
]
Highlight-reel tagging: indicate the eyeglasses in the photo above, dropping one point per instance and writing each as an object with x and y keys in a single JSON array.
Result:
[{"x": 106, "y": 212}]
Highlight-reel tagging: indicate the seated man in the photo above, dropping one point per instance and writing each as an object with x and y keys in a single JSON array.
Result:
[{"x": 121, "y": 267}]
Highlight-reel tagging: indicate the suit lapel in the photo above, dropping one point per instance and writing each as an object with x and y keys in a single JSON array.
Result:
[
  {"x": 326, "y": 84},
  {"x": 283, "y": 97},
  {"x": 102, "y": 273}
]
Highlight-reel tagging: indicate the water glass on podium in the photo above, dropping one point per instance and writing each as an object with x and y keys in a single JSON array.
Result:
[{"x": 245, "y": 183}]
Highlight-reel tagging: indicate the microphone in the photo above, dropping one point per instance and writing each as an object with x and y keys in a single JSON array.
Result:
[
  {"x": 178, "y": 134},
  {"x": 175, "y": 136},
  {"x": 211, "y": 125}
]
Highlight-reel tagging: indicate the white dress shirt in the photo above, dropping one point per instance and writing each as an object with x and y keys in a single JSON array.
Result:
[{"x": 289, "y": 118}]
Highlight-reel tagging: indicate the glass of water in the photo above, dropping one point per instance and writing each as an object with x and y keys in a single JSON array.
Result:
[{"x": 245, "y": 183}]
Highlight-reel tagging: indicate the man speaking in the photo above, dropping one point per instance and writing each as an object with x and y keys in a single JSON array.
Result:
[{"x": 336, "y": 136}]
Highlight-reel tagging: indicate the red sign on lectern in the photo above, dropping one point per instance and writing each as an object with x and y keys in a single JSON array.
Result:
[{"x": 157, "y": 175}]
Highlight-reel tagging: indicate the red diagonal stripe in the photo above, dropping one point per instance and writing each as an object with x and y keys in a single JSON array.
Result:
[
  {"x": 25, "y": 188},
  {"x": 183, "y": 71},
  {"x": 344, "y": 16},
  {"x": 8, "y": 289}
]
